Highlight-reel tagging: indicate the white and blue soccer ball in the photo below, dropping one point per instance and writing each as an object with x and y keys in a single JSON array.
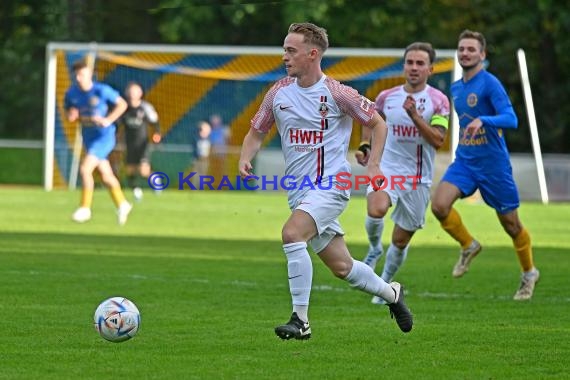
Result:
[{"x": 117, "y": 319}]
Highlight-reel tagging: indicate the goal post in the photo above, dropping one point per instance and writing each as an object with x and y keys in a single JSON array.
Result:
[
  {"x": 189, "y": 84},
  {"x": 521, "y": 57}
]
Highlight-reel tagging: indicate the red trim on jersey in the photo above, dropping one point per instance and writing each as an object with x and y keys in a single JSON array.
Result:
[
  {"x": 320, "y": 164},
  {"x": 419, "y": 162}
]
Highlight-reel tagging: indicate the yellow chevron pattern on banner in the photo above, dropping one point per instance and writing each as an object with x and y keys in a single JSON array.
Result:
[
  {"x": 241, "y": 124},
  {"x": 353, "y": 67},
  {"x": 177, "y": 94},
  {"x": 443, "y": 66},
  {"x": 240, "y": 68},
  {"x": 104, "y": 65},
  {"x": 244, "y": 67}
]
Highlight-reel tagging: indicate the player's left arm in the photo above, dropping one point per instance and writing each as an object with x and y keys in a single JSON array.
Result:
[
  {"x": 434, "y": 132},
  {"x": 504, "y": 116},
  {"x": 379, "y": 133},
  {"x": 152, "y": 117},
  {"x": 119, "y": 109},
  {"x": 120, "y": 106}
]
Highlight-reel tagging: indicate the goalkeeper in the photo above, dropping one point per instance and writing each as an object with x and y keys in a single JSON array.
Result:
[{"x": 137, "y": 119}]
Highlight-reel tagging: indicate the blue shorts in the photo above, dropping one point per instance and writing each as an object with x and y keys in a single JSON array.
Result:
[
  {"x": 99, "y": 143},
  {"x": 497, "y": 186}
]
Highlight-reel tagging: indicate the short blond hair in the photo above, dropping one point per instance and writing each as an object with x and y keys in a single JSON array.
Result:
[{"x": 313, "y": 35}]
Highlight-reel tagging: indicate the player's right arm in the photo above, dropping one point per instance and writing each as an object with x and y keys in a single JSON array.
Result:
[
  {"x": 71, "y": 111},
  {"x": 261, "y": 123},
  {"x": 251, "y": 145},
  {"x": 72, "y": 114}
]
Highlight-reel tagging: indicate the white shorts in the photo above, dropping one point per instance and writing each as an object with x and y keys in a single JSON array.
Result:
[
  {"x": 409, "y": 206},
  {"x": 324, "y": 206}
]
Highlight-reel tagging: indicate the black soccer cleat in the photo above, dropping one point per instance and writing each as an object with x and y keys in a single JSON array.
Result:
[
  {"x": 295, "y": 328},
  {"x": 399, "y": 310}
]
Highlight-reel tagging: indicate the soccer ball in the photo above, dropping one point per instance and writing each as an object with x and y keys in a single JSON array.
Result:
[{"x": 117, "y": 319}]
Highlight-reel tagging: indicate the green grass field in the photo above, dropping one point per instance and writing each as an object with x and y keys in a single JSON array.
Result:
[{"x": 208, "y": 275}]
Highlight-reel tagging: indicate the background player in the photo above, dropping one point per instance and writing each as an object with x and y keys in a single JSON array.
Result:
[
  {"x": 90, "y": 103},
  {"x": 139, "y": 116},
  {"x": 482, "y": 161},
  {"x": 417, "y": 116}
]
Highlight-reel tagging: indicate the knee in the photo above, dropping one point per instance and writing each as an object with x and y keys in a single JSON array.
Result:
[
  {"x": 377, "y": 211},
  {"x": 341, "y": 269},
  {"x": 513, "y": 229},
  {"x": 400, "y": 242},
  {"x": 289, "y": 234},
  {"x": 440, "y": 210},
  {"x": 109, "y": 179},
  {"x": 84, "y": 170}
]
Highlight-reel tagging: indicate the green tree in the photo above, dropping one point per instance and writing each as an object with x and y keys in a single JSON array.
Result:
[{"x": 540, "y": 27}]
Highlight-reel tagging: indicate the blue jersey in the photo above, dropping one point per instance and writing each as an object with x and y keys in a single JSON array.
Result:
[
  {"x": 483, "y": 97},
  {"x": 97, "y": 101}
]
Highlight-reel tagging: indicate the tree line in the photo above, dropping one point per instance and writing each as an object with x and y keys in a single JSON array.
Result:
[{"x": 540, "y": 27}]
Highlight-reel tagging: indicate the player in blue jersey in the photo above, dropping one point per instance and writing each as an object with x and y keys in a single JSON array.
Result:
[
  {"x": 482, "y": 161},
  {"x": 96, "y": 106}
]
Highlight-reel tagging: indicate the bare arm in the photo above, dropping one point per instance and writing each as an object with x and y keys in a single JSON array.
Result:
[
  {"x": 433, "y": 134},
  {"x": 378, "y": 132},
  {"x": 363, "y": 153},
  {"x": 117, "y": 111},
  {"x": 251, "y": 145},
  {"x": 72, "y": 114}
]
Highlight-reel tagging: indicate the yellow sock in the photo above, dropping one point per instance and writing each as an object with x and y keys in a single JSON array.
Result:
[
  {"x": 86, "y": 197},
  {"x": 117, "y": 195},
  {"x": 453, "y": 225},
  {"x": 524, "y": 250}
]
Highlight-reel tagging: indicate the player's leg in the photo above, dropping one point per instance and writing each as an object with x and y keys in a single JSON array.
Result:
[
  {"x": 360, "y": 276},
  {"x": 456, "y": 183},
  {"x": 143, "y": 171},
  {"x": 114, "y": 186},
  {"x": 408, "y": 216},
  {"x": 377, "y": 205},
  {"x": 88, "y": 165},
  {"x": 135, "y": 154},
  {"x": 131, "y": 171},
  {"x": 298, "y": 229},
  {"x": 397, "y": 252},
  {"x": 500, "y": 192},
  {"x": 523, "y": 247}
]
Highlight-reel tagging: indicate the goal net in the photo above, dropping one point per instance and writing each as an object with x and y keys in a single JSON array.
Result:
[{"x": 188, "y": 85}]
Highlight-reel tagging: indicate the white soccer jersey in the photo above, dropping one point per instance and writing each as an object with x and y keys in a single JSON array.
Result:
[
  {"x": 315, "y": 124},
  {"x": 407, "y": 154}
]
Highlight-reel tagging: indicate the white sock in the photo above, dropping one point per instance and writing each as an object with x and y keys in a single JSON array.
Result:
[
  {"x": 374, "y": 228},
  {"x": 362, "y": 277},
  {"x": 300, "y": 271},
  {"x": 395, "y": 257}
]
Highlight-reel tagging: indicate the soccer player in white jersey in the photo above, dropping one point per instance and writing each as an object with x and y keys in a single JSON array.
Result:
[
  {"x": 313, "y": 114},
  {"x": 417, "y": 117}
]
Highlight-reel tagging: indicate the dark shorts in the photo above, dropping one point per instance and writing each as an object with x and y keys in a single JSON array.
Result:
[
  {"x": 497, "y": 186},
  {"x": 138, "y": 153}
]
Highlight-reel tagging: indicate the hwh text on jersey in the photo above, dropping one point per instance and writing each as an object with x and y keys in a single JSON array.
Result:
[{"x": 303, "y": 136}]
